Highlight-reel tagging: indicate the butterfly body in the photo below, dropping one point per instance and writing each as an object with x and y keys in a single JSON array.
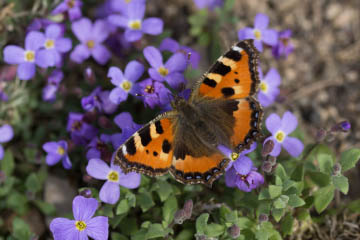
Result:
[{"x": 220, "y": 111}]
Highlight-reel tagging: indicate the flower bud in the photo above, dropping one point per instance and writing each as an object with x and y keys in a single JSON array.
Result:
[
  {"x": 336, "y": 169},
  {"x": 267, "y": 148},
  {"x": 89, "y": 76},
  {"x": 320, "y": 134},
  {"x": 234, "y": 231},
  {"x": 263, "y": 218},
  {"x": 343, "y": 126},
  {"x": 266, "y": 167},
  {"x": 271, "y": 160},
  {"x": 188, "y": 206},
  {"x": 180, "y": 216},
  {"x": 86, "y": 193}
]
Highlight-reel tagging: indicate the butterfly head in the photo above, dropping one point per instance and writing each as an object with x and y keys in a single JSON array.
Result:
[{"x": 178, "y": 102}]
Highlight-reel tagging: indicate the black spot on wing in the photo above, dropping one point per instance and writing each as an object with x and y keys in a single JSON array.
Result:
[
  {"x": 155, "y": 153},
  {"x": 210, "y": 82},
  {"x": 230, "y": 107},
  {"x": 145, "y": 135},
  {"x": 166, "y": 146},
  {"x": 130, "y": 146},
  {"x": 233, "y": 55},
  {"x": 236, "y": 80},
  {"x": 228, "y": 92},
  {"x": 159, "y": 129},
  {"x": 220, "y": 68}
]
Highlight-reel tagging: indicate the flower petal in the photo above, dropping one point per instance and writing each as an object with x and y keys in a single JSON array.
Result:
[
  {"x": 243, "y": 165},
  {"x": 63, "y": 228},
  {"x": 1, "y": 152},
  {"x": 53, "y": 158},
  {"x": 258, "y": 44},
  {"x": 82, "y": 29},
  {"x": 255, "y": 179},
  {"x": 6, "y": 133},
  {"x": 123, "y": 120},
  {"x": 84, "y": 208},
  {"x": 246, "y": 33},
  {"x": 288, "y": 122},
  {"x": 132, "y": 35},
  {"x": 272, "y": 77},
  {"x": 118, "y": 95},
  {"x": 66, "y": 162},
  {"x": 273, "y": 123},
  {"x": 152, "y": 26},
  {"x": 100, "y": 31},
  {"x": 118, "y": 20},
  {"x": 264, "y": 99},
  {"x": 53, "y": 31},
  {"x": 74, "y": 13},
  {"x": 80, "y": 53},
  {"x": 153, "y": 56},
  {"x": 230, "y": 177},
  {"x": 45, "y": 58},
  {"x": 169, "y": 44},
  {"x": 270, "y": 37},
  {"x": 176, "y": 63},
  {"x": 293, "y": 146},
  {"x": 116, "y": 76},
  {"x": 110, "y": 192},
  {"x": 26, "y": 70},
  {"x": 98, "y": 228},
  {"x": 101, "y": 54},
  {"x": 14, "y": 54},
  {"x": 154, "y": 74},
  {"x": 277, "y": 147},
  {"x": 34, "y": 40},
  {"x": 51, "y": 147},
  {"x": 136, "y": 10},
  {"x": 242, "y": 185},
  {"x": 62, "y": 7},
  {"x": 251, "y": 149},
  {"x": 98, "y": 169},
  {"x": 133, "y": 71},
  {"x": 261, "y": 21},
  {"x": 175, "y": 79},
  {"x": 131, "y": 180},
  {"x": 63, "y": 44}
]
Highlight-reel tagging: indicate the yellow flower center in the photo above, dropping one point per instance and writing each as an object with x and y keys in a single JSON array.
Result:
[
  {"x": 234, "y": 156},
  {"x": 113, "y": 176},
  {"x": 49, "y": 43},
  {"x": 128, "y": 1},
  {"x": 149, "y": 89},
  {"x": 280, "y": 136},
  {"x": 60, "y": 150},
  {"x": 264, "y": 87},
  {"x": 71, "y": 3},
  {"x": 90, "y": 44},
  {"x": 126, "y": 85},
  {"x": 80, "y": 225},
  {"x": 29, "y": 56},
  {"x": 135, "y": 24},
  {"x": 163, "y": 71},
  {"x": 257, "y": 34}
]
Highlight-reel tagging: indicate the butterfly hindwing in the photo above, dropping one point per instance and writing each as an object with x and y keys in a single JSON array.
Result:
[
  {"x": 150, "y": 149},
  {"x": 234, "y": 75}
]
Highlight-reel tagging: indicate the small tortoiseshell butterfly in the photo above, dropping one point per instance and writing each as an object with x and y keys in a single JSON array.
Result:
[{"x": 221, "y": 110}]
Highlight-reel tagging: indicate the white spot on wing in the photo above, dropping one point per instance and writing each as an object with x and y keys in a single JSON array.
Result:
[
  {"x": 124, "y": 150},
  {"x": 238, "y": 49}
]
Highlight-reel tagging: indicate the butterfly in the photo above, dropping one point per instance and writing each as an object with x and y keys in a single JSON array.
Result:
[{"x": 221, "y": 109}]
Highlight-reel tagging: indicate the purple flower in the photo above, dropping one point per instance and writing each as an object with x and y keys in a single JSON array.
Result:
[
  {"x": 284, "y": 47},
  {"x": 97, "y": 148},
  {"x": 110, "y": 191},
  {"x": 125, "y": 82},
  {"x": 243, "y": 175},
  {"x": 122, "y": 5},
  {"x": 260, "y": 33},
  {"x": 39, "y": 23},
  {"x": 72, "y": 7},
  {"x": 99, "y": 100},
  {"x": 269, "y": 87},
  {"x": 132, "y": 21},
  {"x": 55, "y": 43},
  {"x": 57, "y": 151},
  {"x": 280, "y": 129},
  {"x": 53, "y": 82},
  {"x": 233, "y": 155},
  {"x": 28, "y": 57},
  {"x": 6, "y": 134},
  {"x": 84, "y": 225},
  {"x": 3, "y": 96},
  {"x": 81, "y": 131},
  {"x": 125, "y": 122},
  {"x": 169, "y": 44},
  {"x": 91, "y": 37},
  {"x": 155, "y": 93},
  {"x": 210, "y": 4},
  {"x": 171, "y": 71}
]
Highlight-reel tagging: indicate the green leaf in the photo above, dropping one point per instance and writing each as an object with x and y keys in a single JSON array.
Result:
[
  {"x": 32, "y": 183},
  {"x": 117, "y": 236},
  {"x": 264, "y": 207},
  {"x": 7, "y": 163},
  {"x": 155, "y": 231},
  {"x": 145, "y": 201},
  {"x": 169, "y": 209},
  {"x": 122, "y": 207},
  {"x": 355, "y": 206},
  {"x": 298, "y": 173},
  {"x": 17, "y": 202},
  {"x": 131, "y": 198},
  {"x": 46, "y": 208},
  {"x": 341, "y": 182},
  {"x": 323, "y": 197},
  {"x": 303, "y": 214},
  {"x": 21, "y": 229},
  {"x": 275, "y": 191},
  {"x": 287, "y": 224},
  {"x": 7, "y": 186},
  {"x": 325, "y": 158},
  {"x": 139, "y": 235},
  {"x": 185, "y": 234},
  {"x": 164, "y": 190},
  {"x": 201, "y": 223},
  {"x": 277, "y": 213},
  {"x": 281, "y": 202},
  {"x": 264, "y": 194},
  {"x": 319, "y": 178},
  {"x": 349, "y": 159},
  {"x": 214, "y": 230},
  {"x": 280, "y": 172},
  {"x": 295, "y": 201}
]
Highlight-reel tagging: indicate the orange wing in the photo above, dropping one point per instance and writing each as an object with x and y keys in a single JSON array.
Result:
[
  {"x": 149, "y": 150},
  {"x": 234, "y": 75},
  {"x": 203, "y": 169}
]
